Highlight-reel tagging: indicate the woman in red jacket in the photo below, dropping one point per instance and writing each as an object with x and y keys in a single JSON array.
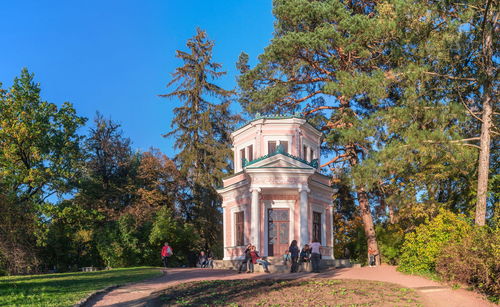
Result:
[
  {"x": 255, "y": 258},
  {"x": 166, "y": 252}
]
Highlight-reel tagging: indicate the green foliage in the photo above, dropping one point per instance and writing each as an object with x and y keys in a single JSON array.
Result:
[
  {"x": 422, "y": 247},
  {"x": 202, "y": 126},
  {"x": 474, "y": 260},
  {"x": 39, "y": 155},
  {"x": 390, "y": 238},
  {"x": 181, "y": 236},
  {"x": 46, "y": 289}
]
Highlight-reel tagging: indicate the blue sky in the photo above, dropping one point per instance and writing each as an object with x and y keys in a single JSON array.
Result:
[{"x": 115, "y": 57}]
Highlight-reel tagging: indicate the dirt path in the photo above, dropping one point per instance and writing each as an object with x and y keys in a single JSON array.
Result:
[{"x": 433, "y": 293}]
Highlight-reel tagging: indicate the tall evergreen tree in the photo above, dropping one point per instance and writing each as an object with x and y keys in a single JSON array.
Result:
[
  {"x": 328, "y": 59},
  {"x": 202, "y": 126}
]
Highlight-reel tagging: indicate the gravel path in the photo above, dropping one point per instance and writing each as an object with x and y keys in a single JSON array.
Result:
[{"x": 433, "y": 293}]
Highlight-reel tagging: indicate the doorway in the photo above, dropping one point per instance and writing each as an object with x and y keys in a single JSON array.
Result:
[{"x": 278, "y": 231}]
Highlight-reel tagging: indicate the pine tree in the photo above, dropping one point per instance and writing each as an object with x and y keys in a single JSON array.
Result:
[
  {"x": 327, "y": 59},
  {"x": 201, "y": 127}
]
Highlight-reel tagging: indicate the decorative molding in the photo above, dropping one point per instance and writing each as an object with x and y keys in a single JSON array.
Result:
[{"x": 273, "y": 180}]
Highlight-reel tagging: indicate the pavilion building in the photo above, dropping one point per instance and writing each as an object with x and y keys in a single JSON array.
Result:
[{"x": 276, "y": 193}]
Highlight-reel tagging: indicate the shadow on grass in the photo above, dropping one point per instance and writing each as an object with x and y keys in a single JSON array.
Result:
[{"x": 219, "y": 292}]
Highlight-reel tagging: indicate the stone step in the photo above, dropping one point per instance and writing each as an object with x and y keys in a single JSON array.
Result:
[
  {"x": 279, "y": 268},
  {"x": 277, "y": 262}
]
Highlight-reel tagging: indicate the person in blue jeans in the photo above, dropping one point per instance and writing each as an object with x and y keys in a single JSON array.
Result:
[{"x": 294, "y": 254}]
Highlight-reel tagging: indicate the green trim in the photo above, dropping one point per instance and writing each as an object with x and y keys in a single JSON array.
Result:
[
  {"x": 276, "y": 116},
  {"x": 280, "y": 150}
]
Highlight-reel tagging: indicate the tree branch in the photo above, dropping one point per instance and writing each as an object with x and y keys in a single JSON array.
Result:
[{"x": 335, "y": 159}]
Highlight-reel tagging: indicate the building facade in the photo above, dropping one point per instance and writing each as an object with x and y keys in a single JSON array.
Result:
[{"x": 276, "y": 193}]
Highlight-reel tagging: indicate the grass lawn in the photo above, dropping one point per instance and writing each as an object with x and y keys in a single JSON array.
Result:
[
  {"x": 65, "y": 289},
  {"x": 317, "y": 292}
]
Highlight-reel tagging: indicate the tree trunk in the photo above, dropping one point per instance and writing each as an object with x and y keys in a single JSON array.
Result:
[
  {"x": 484, "y": 164},
  {"x": 484, "y": 153},
  {"x": 366, "y": 216}
]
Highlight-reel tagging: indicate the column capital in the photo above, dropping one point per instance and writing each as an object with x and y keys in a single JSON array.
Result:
[
  {"x": 304, "y": 187},
  {"x": 256, "y": 189}
]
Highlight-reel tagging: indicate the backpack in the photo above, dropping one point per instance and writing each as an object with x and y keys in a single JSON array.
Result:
[{"x": 170, "y": 252}]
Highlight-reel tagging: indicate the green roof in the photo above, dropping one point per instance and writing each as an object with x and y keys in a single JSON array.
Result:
[
  {"x": 274, "y": 116},
  {"x": 281, "y": 150}
]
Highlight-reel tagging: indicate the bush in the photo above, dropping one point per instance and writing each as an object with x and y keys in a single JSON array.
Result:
[
  {"x": 390, "y": 239},
  {"x": 421, "y": 248},
  {"x": 474, "y": 260}
]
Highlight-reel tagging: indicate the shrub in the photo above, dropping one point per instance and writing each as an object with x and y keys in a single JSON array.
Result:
[
  {"x": 474, "y": 260},
  {"x": 390, "y": 238},
  {"x": 421, "y": 248}
]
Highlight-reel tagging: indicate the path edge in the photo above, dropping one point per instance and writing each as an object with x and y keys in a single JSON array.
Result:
[{"x": 83, "y": 302}]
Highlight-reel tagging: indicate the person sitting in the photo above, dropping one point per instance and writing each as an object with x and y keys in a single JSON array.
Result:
[
  {"x": 287, "y": 258},
  {"x": 263, "y": 261},
  {"x": 210, "y": 259},
  {"x": 203, "y": 260},
  {"x": 255, "y": 258}
]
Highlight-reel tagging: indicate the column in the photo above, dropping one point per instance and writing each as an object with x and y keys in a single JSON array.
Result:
[
  {"x": 224, "y": 235},
  {"x": 255, "y": 218},
  {"x": 304, "y": 215},
  {"x": 331, "y": 231}
]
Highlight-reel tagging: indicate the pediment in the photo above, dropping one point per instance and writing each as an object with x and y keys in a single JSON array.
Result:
[{"x": 280, "y": 160}]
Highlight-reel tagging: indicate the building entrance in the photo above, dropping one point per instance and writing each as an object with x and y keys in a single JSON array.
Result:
[{"x": 279, "y": 231}]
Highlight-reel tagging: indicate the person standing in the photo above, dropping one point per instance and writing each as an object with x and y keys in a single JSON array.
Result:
[
  {"x": 315, "y": 255},
  {"x": 246, "y": 259},
  {"x": 294, "y": 254},
  {"x": 166, "y": 252}
]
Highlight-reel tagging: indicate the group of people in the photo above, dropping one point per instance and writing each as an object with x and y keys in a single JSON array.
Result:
[
  {"x": 293, "y": 255},
  {"x": 204, "y": 260},
  {"x": 251, "y": 258},
  {"x": 309, "y": 253}
]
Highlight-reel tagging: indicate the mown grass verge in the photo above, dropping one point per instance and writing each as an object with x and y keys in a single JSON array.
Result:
[{"x": 65, "y": 289}]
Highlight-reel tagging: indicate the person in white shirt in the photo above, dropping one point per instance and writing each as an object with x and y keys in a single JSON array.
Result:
[{"x": 315, "y": 255}]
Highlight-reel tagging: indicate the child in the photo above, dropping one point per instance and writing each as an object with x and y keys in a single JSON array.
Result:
[{"x": 286, "y": 257}]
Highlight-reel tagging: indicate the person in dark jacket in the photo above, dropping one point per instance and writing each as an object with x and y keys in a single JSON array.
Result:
[
  {"x": 203, "y": 260},
  {"x": 294, "y": 254},
  {"x": 246, "y": 259},
  {"x": 305, "y": 257}
]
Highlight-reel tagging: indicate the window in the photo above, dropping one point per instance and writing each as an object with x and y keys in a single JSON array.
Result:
[
  {"x": 250, "y": 153},
  {"x": 304, "y": 152},
  {"x": 312, "y": 154},
  {"x": 239, "y": 234},
  {"x": 285, "y": 145},
  {"x": 316, "y": 226},
  {"x": 271, "y": 147}
]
